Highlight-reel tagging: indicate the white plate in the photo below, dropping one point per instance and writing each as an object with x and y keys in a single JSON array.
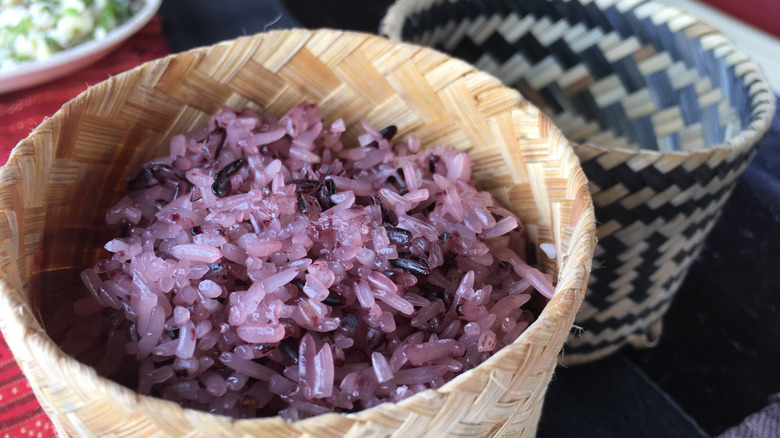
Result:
[{"x": 61, "y": 63}]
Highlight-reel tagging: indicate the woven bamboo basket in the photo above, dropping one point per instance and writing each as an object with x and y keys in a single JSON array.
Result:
[
  {"x": 62, "y": 178},
  {"x": 666, "y": 115}
]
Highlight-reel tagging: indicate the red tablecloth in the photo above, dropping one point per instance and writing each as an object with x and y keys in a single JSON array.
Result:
[
  {"x": 20, "y": 413},
  {"x": 762, "y": 14}
]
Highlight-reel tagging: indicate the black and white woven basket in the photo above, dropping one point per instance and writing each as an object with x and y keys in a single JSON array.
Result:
[{"x": 666, "y": 114}]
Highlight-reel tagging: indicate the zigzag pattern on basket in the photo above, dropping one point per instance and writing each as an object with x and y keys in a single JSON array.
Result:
[
  {"x": 647, "y": 240},
  {"x": 612, "y": 88},
  {"x": 671, "y": 113}
]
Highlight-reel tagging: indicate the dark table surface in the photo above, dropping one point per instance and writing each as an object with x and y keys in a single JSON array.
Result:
[{"x": 717, "y": 361}]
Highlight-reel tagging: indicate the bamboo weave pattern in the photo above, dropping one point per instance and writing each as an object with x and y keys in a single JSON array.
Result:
[{"x": 60, "y": 180}]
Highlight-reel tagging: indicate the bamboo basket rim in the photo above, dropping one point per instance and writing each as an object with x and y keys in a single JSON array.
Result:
[
  {"x": 23, "y": 323},
  {"x": 762, "y": 99}
]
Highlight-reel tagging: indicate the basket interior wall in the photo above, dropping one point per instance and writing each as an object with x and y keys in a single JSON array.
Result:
[{"x": 564, "y": 56}]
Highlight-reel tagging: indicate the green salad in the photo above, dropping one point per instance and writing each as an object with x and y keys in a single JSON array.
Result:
[{"x": 31, "y": 30}]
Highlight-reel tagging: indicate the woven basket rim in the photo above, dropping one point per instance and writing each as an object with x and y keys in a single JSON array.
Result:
[
  {"x": 23, "y": 321},
  {"x": 762, "y": 102}
]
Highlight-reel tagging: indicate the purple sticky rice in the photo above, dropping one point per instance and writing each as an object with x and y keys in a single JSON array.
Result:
[{"x": 265, "y": 269}]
